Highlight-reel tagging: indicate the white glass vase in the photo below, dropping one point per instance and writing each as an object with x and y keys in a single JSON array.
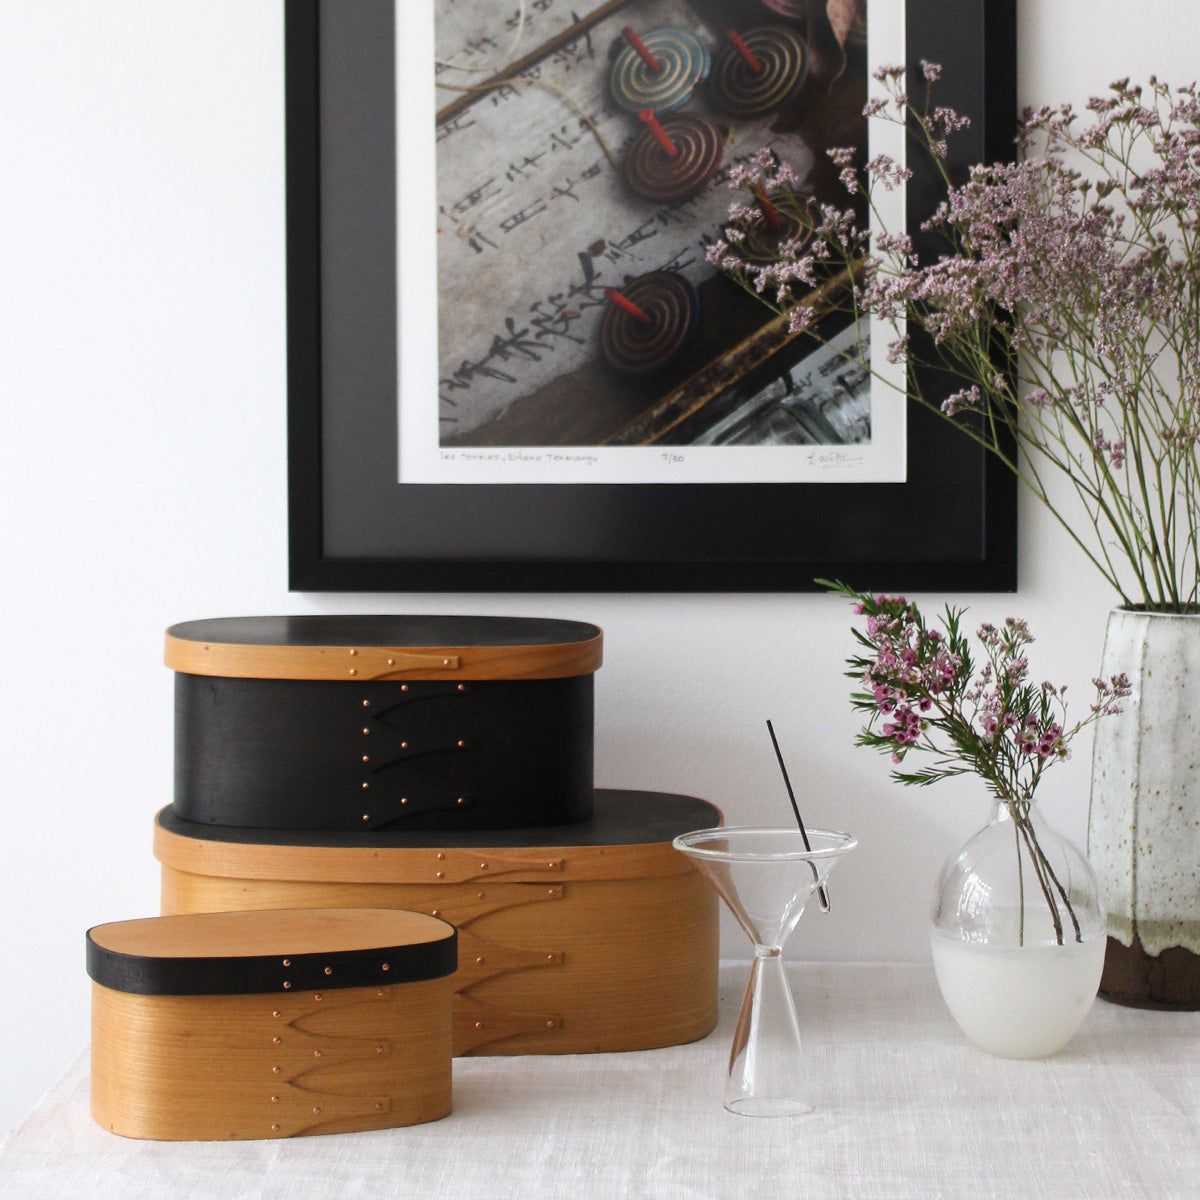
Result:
[{"x": 1018, "y": 935}]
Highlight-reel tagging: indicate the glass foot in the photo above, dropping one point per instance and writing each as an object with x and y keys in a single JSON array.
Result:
[{"x": 764, "y": 1106}]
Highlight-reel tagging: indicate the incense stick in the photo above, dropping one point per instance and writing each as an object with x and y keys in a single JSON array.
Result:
[{"x": 822, "y": 894}]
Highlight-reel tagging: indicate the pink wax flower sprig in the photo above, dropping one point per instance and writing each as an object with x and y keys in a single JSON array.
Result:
[
  {"x": 1056, "y": 311},
  {"x": 922, "y": 693}
]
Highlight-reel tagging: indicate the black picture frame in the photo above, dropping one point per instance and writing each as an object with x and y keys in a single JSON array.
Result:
[{"x": 950, "y": 527}]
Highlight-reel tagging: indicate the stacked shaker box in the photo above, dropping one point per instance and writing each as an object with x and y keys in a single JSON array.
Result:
[
  {"x": 385, "y": 849},
  {"x": 442, "y": 765}
]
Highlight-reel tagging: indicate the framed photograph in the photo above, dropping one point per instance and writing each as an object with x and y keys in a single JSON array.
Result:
[{"x": 510, "y": 363}]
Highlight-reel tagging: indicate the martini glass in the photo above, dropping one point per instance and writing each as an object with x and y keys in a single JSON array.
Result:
[{"x": 765, "y": 876}]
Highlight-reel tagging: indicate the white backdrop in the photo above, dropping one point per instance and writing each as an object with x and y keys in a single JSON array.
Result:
[{"x": 142, "y": 461}]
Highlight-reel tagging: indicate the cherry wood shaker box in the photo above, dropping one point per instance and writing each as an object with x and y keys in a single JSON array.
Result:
[
  {"x": 236, "y": 1025},
  {"x": 591, "y": 936}
]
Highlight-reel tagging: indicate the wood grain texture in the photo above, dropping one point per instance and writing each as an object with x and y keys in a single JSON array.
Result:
[
  {"x": 357, "y": 663},
  {"x": 413, "y": 865},
  {"x": 237, "y": 1067},
  {"x": 557, "y": 961},
  {"x": 236, "y": 934}
]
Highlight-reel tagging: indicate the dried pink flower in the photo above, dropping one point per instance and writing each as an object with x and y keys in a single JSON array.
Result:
[{"x": 1064, "y": 299}]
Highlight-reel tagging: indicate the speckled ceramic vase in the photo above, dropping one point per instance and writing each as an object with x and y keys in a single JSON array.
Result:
[{"x": 1144, "y": 823}]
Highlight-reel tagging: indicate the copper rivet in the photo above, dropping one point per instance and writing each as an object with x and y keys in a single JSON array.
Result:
[
  {"x": 403, "y": 686},
  {"x": 549, "y": 1024},
  {"x": 274, "y": 1099},
  {"x": 460, "y": 800},
  {"x": 479, "y": 960},
  {"x": 461, "y": 745},
  {"x": 387, "y": 967},
  {"x": 403, "y": 799},
  {"x": 275, "y": 1013},
  {"x": 277, "y": 1041},
  {"x": 353, "y": 671},
  {"x": 378, "y": 1049},
  {"x": 379, "y": 992},
  {"x": 549, "y": 957},
  {"x": 328, "y": 970},
  {"x": 316, "y": 1054},
  {"x": 441, "y": 855},
  {"x": 378, "y": 1105},
  {"x": 286, "y": 985},
  {"x": 365, "y": 785},
  {"x": 403, "y": 745},
  {"x": 478, "y": 1024},
  {"x": 483, "y": 866},
  {"x": 353, "y": 653},
  {"x": 482, "y": 896},
  {"x": 318, "y": 996},
  {"x": 287, "y": 962},
  {"x": 549, "y": 891},
  {"x": 274, "y": 1128},
  {"x": 274, "y": 1070},
  {"x": 437, "y": 912},
  {"x": 365, "y": 732},
  {"x": 366, "y": 816},
  {"x": 366, "y": 758},
  {"x": 317, "y": 1109},
  {"x": 445, "y": 662},
  {"x": 366, "y": 704},
  {"x": 462, "y": 687},
  {"x": 439, "y": 874}
]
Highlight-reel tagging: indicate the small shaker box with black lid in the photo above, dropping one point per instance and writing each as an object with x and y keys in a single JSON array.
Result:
[
  {"x": 218, "y": 1026},
  {"x": 366, "y": 722}
]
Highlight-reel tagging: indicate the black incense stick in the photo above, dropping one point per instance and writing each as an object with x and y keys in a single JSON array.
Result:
[{"x": 822, "y": 894}]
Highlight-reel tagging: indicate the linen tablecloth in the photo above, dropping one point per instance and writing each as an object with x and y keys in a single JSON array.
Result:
[{"x": 908, "y": 1109}]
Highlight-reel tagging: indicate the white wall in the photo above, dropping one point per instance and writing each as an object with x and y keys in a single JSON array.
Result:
[{"x": 142, "y": 461}]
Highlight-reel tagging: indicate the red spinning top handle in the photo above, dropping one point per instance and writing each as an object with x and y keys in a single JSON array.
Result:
[
  {"x": 643, "y": 53},
  {"x": 628, "y": 305},
  {"x": 740, "y": 46},
  {"x": 660, "y": 134},
  {"x": 769, "y": 211}
]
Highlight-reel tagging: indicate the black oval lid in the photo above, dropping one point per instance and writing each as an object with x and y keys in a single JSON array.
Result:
[
  {"x": 619, "y": 818},
  {"x": 385, "y": 630},
  {"x": 270, "y": 951}
]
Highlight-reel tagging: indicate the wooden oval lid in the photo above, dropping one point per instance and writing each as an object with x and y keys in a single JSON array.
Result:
[
  {"x": 290, "y": 950},
  {"x": 384, "y": 647}
]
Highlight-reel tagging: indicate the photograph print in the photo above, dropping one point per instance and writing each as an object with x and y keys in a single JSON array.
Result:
[{"x": 584, "y": 153}]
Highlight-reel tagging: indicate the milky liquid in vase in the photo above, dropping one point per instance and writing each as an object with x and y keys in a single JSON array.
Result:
[{"x": 1018, "y": 1001}]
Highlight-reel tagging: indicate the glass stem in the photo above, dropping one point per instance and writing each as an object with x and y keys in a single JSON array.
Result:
[{"x": 767, "y": 1073}]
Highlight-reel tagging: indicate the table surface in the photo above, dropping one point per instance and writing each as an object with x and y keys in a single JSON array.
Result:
[{"x": 909, "y": 1109}]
